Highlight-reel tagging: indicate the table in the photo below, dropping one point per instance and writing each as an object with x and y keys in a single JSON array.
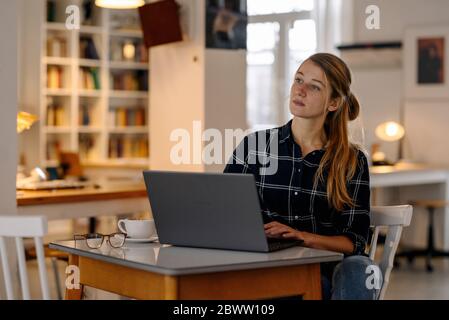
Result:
[
  {"x": 403, "y": 175},
  {"x": 155, "y": 271},
  {"x": 410, "y": 174},
  {"x": 107, "y": 199}
]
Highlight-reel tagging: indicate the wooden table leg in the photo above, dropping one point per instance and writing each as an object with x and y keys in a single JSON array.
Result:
[
  {"x": 313, "y": 291},
  {"x": 74, "y": 294},
  {"x": 170, "y": 288}
]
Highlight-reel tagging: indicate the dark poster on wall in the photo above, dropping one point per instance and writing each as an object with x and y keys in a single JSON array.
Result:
[
  {"x": 226, "y": 22},
  {"x": 431, "y": 60},
  {"x": 160, "y": 23}
]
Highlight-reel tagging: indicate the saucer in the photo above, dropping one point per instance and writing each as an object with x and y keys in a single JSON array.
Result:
[{"x": 151, "y": 239}]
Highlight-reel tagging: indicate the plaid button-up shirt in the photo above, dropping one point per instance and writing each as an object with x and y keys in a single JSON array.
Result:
[{"x": 285, "y": 182}]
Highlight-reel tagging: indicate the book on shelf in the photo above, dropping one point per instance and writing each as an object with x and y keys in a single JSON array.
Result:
[
  {"x": 142, "y": 76},
  {"x": 121, "y": 117},
  {"x": 140, "y": 117},
  {"x": 130, "y": 80},
  {"x": 86, "y": 147},
  {"x": 88, "y": 49},
  {"x": 85, "y": 115},
  {"x": 53, "y": 149},
  {"x": 128, "y": 147},
  {"x": 55, "y": 115},
  {"x": 89, "y": 79},
  {"x": 51, "y": 11},
  {"x": 142, "y": 53},
  {"x": 89, "y": 10},
  {"x": 125, "y": 117},
  {"x": 56, "y": 46},
  {"x": 55, "y": 77}
]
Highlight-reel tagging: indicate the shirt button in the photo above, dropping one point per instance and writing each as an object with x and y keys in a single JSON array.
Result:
[
  {"x": 296, "y": 193},
  {"x": 296, "y": 217},
  {"x": 299, "y": 170}
]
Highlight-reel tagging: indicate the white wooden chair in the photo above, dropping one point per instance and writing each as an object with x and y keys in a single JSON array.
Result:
[
  {"x": 19, "y": 227},
  {"x": 392, "y": 218}
]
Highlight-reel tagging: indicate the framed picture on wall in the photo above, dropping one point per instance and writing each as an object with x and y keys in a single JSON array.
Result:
[
  {"x": 426, "y": 62},
  {"x": 226, "y": 22}
]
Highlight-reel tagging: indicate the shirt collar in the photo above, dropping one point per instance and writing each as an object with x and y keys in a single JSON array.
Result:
[{"x": 285, "y": 132}]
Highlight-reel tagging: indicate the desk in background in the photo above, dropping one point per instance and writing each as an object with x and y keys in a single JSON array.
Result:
[
  {"x": 109, "y": 199},
  {"x": 415, "y": 181},
  {"x": 154, "y": 271}
]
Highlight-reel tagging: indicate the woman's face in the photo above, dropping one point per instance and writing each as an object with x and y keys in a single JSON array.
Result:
[{"x": 309, "y": 92}]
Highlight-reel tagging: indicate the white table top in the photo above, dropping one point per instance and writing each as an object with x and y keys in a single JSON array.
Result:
[
  {"x": 171, "y": 260},
  {"x": 407, "y": 174}
]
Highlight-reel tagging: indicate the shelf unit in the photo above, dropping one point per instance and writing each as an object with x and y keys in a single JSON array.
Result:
[{"x": 80, "y": 119}]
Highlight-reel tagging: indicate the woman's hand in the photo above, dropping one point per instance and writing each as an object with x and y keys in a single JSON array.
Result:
[
  {"x": 278, "y": 230},
  {"x": 334, "y": 243}
]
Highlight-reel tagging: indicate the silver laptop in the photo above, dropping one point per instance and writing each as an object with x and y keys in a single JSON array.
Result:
[{"x": 209, "y": 210}]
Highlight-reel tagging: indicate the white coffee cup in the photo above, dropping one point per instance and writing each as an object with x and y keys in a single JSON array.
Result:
[{"x": 137, "y": 229}]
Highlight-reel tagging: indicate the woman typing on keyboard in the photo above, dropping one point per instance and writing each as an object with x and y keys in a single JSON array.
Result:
[{"x": 314, "y": 183}]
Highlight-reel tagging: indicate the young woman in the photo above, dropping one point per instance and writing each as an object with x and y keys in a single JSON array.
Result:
[{"x": 319, "y": 192}]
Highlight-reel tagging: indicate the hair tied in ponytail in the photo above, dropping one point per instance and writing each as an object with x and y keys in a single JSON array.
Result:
[{"x": 353, "y": 106}]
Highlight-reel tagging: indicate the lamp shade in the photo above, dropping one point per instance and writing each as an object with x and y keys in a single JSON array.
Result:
[
  {"x": 119, "y": 4},
  {"x": 25, "y": 121},
  {"x": 390, "y": 131}
]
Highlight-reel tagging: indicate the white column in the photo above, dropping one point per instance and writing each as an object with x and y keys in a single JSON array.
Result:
[
  {"x": 8, "y": 107},
  {"x": 191, "y": 83}
]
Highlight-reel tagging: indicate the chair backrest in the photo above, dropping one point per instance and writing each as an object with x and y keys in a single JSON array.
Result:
[
  {"x": 19, "y": 227},
  {"x": 393, "y": 219}
]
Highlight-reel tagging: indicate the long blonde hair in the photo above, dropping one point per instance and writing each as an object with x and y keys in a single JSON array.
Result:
[{"x": 340, "y": 157}]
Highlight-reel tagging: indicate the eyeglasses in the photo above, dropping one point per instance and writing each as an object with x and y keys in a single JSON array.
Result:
[{"x": 95, "y": 240}]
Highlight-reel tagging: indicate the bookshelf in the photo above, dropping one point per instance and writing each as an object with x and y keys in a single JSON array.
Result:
[{"x": 94, "y": 86}]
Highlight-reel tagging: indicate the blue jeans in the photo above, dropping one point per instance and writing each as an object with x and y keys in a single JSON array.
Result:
[{"x": 355, "y": 278}]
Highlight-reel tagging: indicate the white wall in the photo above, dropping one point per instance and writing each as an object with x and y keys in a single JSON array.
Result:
[
  {"x": 378, "y": 92},
  {"x": 381, "y": 90},
  {"x": 176, "y": 91},
  {"x": 225, "y": 89},
  {"x": 395, "y": 15}
]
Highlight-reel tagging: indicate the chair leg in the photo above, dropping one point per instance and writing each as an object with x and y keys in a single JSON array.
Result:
[
  {"x": 54, "y": 263},
  {"x": 430, "y": 244},
  {"x": 429, "y": 252}
]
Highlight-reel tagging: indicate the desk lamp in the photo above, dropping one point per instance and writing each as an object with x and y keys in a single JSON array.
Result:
[
  {"x": 388, "y": 131},
  {"x": 24, "y": 122},
  {"x": 119, "y": 4}
]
